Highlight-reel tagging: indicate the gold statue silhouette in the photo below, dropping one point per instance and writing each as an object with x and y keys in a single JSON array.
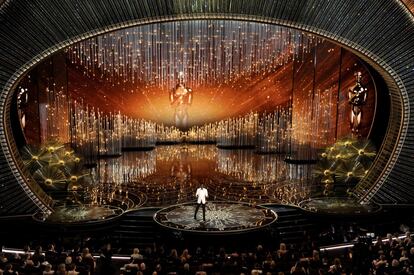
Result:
[
  {"x": 181, "y": 97},
  {"x": 357, "y": 96}
]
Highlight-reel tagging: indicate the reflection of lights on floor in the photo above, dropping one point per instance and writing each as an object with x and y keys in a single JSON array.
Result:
[{"x": 175, "y": 171}]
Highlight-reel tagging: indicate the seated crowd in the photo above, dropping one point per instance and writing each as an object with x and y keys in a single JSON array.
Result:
[{"x": 392, "y": 256}]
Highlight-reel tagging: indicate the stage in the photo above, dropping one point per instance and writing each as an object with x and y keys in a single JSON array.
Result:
[
  {"x": 221, "y": 217},
  {"x": 170, "y": 175}
]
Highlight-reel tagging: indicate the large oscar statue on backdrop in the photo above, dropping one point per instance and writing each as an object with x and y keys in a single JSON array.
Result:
[
  {"x": 181, "y": 98},
  {"x": 357, "y": 96}
]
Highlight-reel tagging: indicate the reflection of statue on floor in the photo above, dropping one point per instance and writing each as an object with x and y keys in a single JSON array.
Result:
[
  {"x": 181, "y": 173},
  {"x": 357, "y": 96},
  {"x": 181, "y": 97}
]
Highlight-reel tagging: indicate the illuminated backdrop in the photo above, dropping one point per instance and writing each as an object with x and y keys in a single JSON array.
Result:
[
  {"x": 277, "y": 94},
  {"x": 234, "y": 69}
]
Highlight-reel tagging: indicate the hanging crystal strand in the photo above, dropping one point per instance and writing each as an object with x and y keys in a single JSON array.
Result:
[
  {"x": 118, "y": 134},
  {"x": 206, "y": 51},
  {"x": 94, "y": 138}
]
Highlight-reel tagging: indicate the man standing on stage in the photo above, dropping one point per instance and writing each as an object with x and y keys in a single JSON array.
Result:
[{"x": 201, "y": 195}]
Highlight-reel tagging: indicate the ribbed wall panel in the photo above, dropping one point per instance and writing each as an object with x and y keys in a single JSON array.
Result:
[{"x": 380, "y": 31}]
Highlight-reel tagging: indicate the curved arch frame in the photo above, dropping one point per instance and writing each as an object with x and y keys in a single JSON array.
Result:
[{"x": 396, "y": 74}]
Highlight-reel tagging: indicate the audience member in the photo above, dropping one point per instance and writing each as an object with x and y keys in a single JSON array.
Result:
[
  {"x": 390, "y": 257},
  {"x": 47, "y": 269}
]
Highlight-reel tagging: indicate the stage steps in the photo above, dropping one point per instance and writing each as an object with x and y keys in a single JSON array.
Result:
[
  {"x": 292, "y": 223},
  {"x": 136, "y": 229}
]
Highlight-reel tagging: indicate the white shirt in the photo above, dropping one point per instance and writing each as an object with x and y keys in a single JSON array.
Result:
[{"x": 201, "y": 195}]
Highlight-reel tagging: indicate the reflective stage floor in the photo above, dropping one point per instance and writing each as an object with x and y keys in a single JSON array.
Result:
[
  {"x": 170, "y": 174},
  {"x": 220, "y": 217}
]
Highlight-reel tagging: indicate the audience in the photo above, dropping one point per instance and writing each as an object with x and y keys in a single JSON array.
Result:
[
  {"x": 391, "y": 257},
  {"x": 135, "y": 256},
  {"x": 61, "y": 269},
  {"x": 48, "y": 269}
]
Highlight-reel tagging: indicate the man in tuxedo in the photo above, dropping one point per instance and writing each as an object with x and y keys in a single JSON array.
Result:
[{"x": 202, "y": 196}]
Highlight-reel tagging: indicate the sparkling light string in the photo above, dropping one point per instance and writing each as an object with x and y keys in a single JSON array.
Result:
[
  {"x": 138, "y": 133},
  {"x": 312, "y": 123},
  {"x": 54, "y": 115},
  {"x": 212, "y": 52},
  {"x": 168, "y": 134},
  {"x": 202, "y": 134},
  {"x": 110, "y": 134},
  {"x": 274, "y": 131},
  {"x": 238, "y": 132},
  {"x": 84, "y": 129},
  {"x": 95, "y": 134}
]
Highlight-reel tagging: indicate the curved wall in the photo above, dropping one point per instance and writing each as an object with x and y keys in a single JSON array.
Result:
[{"x": 379, "y": 31}]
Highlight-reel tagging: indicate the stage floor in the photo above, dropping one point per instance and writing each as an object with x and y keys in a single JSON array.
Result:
[
  {"x": 170, "y": 175},
  {"x": 221, "y": 217}
]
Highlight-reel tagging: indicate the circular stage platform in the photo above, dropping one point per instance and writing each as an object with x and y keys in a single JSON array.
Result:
[
  {"x": 221, "y": 217},
  {"x": 338, "y": 206},
  {"x": 80, "y": 214}
]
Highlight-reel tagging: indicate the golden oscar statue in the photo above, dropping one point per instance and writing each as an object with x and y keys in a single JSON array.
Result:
[
  {"x": 357, "y": 96},
  {"x": 180, "y": 98}
]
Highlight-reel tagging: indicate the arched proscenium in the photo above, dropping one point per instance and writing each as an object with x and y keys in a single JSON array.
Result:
[{"x": 379, "y": 31}]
